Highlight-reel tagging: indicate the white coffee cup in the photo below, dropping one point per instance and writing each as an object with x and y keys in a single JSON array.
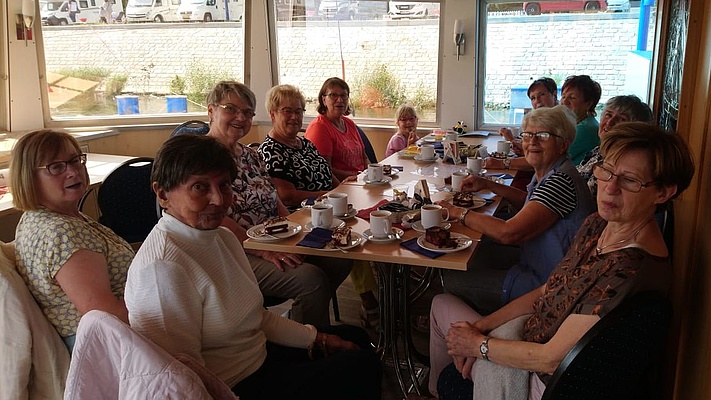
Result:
[
  {"x": 474, "y": 165},
  {"x": 322, "y": 215},
  {"x": 339, "y": 201},
  {"x": 381, "y": 224},
  {"x": 503, "y": 146},
  {"x": 427, "y": 152},
  {"x": 432, "y": 215},
  {"x": 375, "y": 172},
  {"x": 457, "y": 178}
]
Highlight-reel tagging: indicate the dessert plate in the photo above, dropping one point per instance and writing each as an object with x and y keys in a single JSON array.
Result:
[
  {"x": 462, "y": 241},
  {"x": 356, "y": 240},
  {"x": 395, "y": 233},
  {"x": 404, "y": 153},
  {"x": 417, "y": 226},
  {"x": 336, "y": 223},
  {"x": 477, "y": 202},
  {"x": 258, "y": 233},
  {"x": 393, "y": 172},
  {"x": 386, "y": 179}
]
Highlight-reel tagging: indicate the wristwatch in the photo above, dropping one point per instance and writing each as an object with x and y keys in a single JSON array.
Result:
[
  {"x": 484, "y": 348},
  {"x": 507, "y": 163}
]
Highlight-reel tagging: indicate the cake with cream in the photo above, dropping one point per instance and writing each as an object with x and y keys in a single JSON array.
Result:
[
  {"x": 462, "y": 199},
  {"x": 276, "y": 225},
  {"x": 341, "y": 236},
  {"x": 439, "y": 237}
]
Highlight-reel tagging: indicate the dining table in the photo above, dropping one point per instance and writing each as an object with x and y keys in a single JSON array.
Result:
[{"x": 397, "y": 290}]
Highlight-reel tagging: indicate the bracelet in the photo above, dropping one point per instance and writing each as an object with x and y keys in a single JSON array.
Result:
[{"x": 463, "y": 216}]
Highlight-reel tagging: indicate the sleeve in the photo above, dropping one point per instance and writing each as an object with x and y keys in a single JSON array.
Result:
[
  {"x": 557, "y": 194},
  {"x": 586, "y": 138},
  {"x": 165, "y": 306},
  {"x": 286, "y": 332},
  {"x": 395, "y": 144},
  {"x": 318, "y": 134}
]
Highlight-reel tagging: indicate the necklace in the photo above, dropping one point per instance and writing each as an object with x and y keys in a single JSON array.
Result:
[
  {"x": 599, "y": 249},
  {"x": 341, "y": 125}
]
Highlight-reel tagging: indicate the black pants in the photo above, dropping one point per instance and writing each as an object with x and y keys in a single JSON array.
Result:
[{"x": 288, "y": 373}]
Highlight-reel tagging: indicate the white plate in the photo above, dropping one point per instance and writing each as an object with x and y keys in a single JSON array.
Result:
[
  {"x": 425, "y": 160},
  {"x": 304, "y": 205},
  {"x": 336, "y": 223},
  {"x": 431, "y": 138},
  {"x": 257, "y": 232},
  {"x": 393, "y": 172},
  {"x": 397, "y": 233},
  {"x": 356, "y": 240},
  {"x": 386, "y": 179},
  {"x": 351, "y": 213},
  {"x": 402, "y": 153},
  {"x": 417, "y": 226},
  {"x": 463, "y": 241},
  {"x": 478, "y": 202}
]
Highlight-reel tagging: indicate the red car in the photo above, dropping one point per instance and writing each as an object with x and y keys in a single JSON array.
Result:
[{"x": 545, "y": 6}]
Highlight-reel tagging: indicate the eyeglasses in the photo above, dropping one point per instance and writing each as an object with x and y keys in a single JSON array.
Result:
[
  {"x": 624, "y": 182},
  {"x": 58, "y": 167},
  {"x": 232, "y": 110},
  {"x": 542, "y": 136},
  {"x": 336, "y": 96},
  {"x": 299, "y": 112},
  {"x": 407, "y": 119}
]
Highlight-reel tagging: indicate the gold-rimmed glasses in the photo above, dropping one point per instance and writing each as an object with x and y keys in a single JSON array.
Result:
[
  {"x": 625, "y": 182},
  {"x": 58, "y": 167},
  {"x": 232, "y": 110}
]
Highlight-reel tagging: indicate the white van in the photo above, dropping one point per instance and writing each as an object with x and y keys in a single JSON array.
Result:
[
  {"x": 412, "y": 9},
  {"x": 152, "y": 10},
  {"x": 57, "y": 12},
  {"x": 211, "y": 10}
]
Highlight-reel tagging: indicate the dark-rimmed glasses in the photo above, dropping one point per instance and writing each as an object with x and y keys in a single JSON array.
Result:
[
  {"x": 232, "y": 110},
  {"x": 58, "y": 167},
  {"x": 542, "y": 136},
  {"x": 336, "y": 96},
  {"x": 627, "y": 183}
]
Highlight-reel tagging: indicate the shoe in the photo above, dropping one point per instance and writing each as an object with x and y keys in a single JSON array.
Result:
[{"x": 369, "y": 318}]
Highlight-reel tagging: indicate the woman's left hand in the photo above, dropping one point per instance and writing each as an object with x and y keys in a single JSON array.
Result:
[
  {"x": 463, "y": 340},
  {"x": 464, "y": 365},
  {"x": 335, "y": 343}
]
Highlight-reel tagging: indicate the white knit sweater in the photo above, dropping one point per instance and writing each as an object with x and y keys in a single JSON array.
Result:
[{"x": 193, "y": 291}]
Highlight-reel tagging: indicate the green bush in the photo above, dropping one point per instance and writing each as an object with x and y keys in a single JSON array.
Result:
[
  {"x": 378, "y": 88},
  {"x": 423, "y": 99},
  {"x": 88, "y": 73},
  {"x": 115, "y": 85},
  {"x": 177, "y": 85},
  {"x": 201, "y": 79}
]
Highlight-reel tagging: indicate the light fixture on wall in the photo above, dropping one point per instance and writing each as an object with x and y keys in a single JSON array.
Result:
[
  {"x": 459, "y": 37},
  {"x": 25, "y": 20}
]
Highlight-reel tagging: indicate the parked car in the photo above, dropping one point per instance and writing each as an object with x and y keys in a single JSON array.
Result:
[
  {"x": 57, "y": 12},
  {"x": 351, "y": 9},
  {"x": 546, "y": 6},
  {"x": 618, "y": 5},
  {"x": 412, "y": 9}
]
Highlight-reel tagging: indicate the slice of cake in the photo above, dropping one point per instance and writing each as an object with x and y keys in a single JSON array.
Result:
[
  {"x": 439, "y": 237},
  {"x": 276, "y": 225},
  {"x": 462, "y": 199},
  {"x": 341, "y": 236}
]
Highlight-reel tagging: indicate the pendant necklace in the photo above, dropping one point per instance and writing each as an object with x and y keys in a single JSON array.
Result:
[{"x": 599, "y": 249}]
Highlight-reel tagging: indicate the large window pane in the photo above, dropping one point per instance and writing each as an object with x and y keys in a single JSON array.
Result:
[
  {"x": 386, "y": 51},
  {"x": 559, "y": 39},
  {"x": 98, "y": 69}
]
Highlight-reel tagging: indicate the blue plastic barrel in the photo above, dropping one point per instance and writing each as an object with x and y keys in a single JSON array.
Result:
[
  {"x": 176, "y": 104},
  {"x": 127, "y": 105}
]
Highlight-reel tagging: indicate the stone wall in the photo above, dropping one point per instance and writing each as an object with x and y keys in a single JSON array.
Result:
[{"x": 520, "y": 48}]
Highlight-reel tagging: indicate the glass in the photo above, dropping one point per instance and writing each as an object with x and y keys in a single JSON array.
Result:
[
  {"x": 336, "y": 96},
  {"x": 299, "y": 112},
  {"x": 542, "y": 136},
  {"x": 627, "y": 183},
  {"x": 232, "y": 110},
  {"x": 58, "y": 167}
]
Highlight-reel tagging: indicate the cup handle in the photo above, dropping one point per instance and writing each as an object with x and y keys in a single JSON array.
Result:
[{"x": 446, "y": 211}]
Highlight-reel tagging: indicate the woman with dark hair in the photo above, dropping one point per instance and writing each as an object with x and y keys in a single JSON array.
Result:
[{"x": 581, "y": 94}]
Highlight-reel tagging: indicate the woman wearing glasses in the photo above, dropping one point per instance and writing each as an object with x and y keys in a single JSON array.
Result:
[
  {"x": 406, "y": 120},
  {"x": 231, "y": 108},
  {"x": 617, "y": 252},
  {"x": 71, "y": 263},
  {"x": 549, "y": 214}
]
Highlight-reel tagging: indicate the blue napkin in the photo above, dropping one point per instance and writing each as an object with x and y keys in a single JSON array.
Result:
[
  {"x": 413, "y": 246},
  {"x": 317, "y": 238},
  {"x": 310, "y": 200}
]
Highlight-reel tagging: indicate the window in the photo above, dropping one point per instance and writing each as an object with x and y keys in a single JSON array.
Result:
[
  {"x": 387, "y": 56},
  {"x": 559, "y": 39},
  {"x": 141, "y": 67}
]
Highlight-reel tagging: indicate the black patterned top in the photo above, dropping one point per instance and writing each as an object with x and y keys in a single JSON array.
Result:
[{"x": 303, "y": 167}]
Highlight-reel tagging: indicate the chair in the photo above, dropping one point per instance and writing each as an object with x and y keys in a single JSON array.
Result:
[
  {"x": 368, "y": 147},
  {"x": 126, "y": 200},
  {"x": 618, "y": 357},
  {"x": 192, "y": 127}
]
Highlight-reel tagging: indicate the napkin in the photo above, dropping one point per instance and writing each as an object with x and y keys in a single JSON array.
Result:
[
  {"x": 317, "y": 238},
  {"x": 414, "y": 247},
  {"x": 502, "y": 176},
  {"x": 365, "y": 213}
]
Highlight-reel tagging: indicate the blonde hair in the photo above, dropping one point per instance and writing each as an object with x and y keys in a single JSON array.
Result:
[
  {"x": 280, "y": 93},
  {"x": 405, "y": 109},
  {"x": 558, "y": 120}
]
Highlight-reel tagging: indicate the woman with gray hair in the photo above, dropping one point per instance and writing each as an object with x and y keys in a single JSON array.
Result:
[
  {"x": 549, "y": 214},
  {"x": 406, "y": 121}
]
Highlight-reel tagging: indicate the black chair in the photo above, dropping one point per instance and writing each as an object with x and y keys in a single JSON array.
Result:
[
  {"x": 619, "y": 357},
  {"x": 368, "y": 147},
  {"x": 192, "y": 127},
  {"x": 126, "y": 200}
]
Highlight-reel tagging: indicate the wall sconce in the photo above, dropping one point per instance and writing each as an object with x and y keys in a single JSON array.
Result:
[
  {"x": 25, "y": 20},
  {"x": 459, "y": 37}
]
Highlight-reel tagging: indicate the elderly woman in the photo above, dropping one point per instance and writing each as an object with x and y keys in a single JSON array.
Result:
[
  {"x": 68, "y": 274},
  {"x": 336, "y": 137},
  {"x": 294, "y": 165},
  {"x": 581, "y": 94},
  {"x": 406, "y": 121},
  {"x": 617, "y": 109},
  {"x": 549, "y": 214},
  {"x": 231, "y": 108},
  {"x": 617, "y": 251},
  {"x": 191, "y": 290}
]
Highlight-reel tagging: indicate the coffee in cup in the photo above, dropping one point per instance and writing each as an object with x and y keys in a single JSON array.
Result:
[
  {"x": 322, "y": 215},
  {"x": 381, "y": 224},
  {"x": 433, "y": 215}
]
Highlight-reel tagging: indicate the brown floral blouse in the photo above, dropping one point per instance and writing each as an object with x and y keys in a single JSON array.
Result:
[{"x": 585, "y": 283}]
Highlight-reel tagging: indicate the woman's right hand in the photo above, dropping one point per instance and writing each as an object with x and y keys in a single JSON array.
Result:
[
  {"x": 473, "y": 183},
  {"x": 507, "y": 134},
  {"x": 282, "y": 260}
]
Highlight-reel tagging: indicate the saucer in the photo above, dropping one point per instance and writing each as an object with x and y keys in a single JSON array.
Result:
[
  {"x": 393, "y": 172},
  {"x": 396, "y": 233},
  {"x": 336, "y": 223},
  {"x": 425, "y": 160},
  {"x": 350, "y": 214},
  {"x": 386, "y": 179},
  {"x": 417, "y": 225}
]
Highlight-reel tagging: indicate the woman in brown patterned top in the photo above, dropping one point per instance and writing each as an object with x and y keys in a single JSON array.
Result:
[{"x": 617, "y": 252}]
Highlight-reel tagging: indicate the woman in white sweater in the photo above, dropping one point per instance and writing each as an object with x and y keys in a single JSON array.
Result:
[{"x": 191, "y": 290}]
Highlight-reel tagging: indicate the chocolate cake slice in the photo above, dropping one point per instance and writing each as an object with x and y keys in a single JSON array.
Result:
[
  {"x": 439, "y": 237},
  {"x": 276, "y": 225},
  {"x": 342, "y": 236}
]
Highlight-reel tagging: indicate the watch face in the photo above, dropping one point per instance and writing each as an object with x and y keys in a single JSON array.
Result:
[{"x": 484, "y": 348}]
